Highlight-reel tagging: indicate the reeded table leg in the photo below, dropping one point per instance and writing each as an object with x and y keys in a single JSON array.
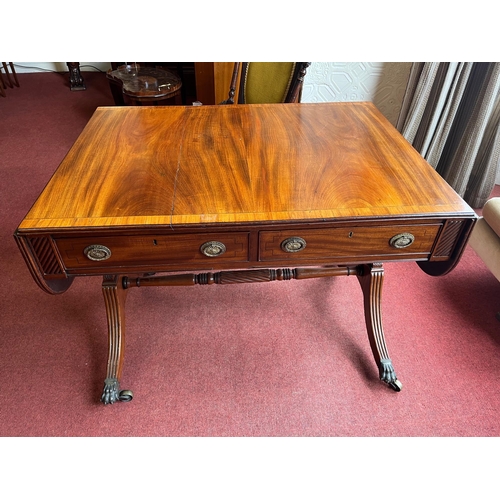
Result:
[
  {"x": 371, "y": 279},
  {"x": 114, "y": 298}
]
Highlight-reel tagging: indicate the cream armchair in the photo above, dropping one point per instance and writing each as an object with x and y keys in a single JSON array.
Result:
[{"x": 485, "y": 237}]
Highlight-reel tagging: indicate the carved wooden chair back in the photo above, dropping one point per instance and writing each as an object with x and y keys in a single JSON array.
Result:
[{"x": 267, "y": 82}]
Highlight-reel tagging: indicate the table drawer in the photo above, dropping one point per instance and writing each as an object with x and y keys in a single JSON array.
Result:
[
  {"x": 349, "y": 242},
  {"x": 107, "y": 251}
]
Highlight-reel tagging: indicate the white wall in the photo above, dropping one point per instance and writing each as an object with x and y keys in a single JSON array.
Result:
[
  {"x": 382, "y": 83},
  {"x": 33, "y": 67}
]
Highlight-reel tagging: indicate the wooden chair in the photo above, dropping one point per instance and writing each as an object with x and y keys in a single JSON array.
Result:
[{"x": 267, "y": 82}]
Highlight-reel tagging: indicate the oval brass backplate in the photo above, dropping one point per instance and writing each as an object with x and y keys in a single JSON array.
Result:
[
  {"x": 97, "y": 252},
  {"x": 213, "y": 248},
  {"x": 402, "y": 240},
  {"x": 294, "y": 244}
]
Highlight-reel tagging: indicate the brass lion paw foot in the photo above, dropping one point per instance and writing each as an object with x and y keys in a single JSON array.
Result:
[
  {"x": 112, "y": 393},
  {"x": 388, "y": 375}
]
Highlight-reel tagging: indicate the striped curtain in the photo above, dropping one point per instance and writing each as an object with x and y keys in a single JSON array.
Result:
[{"x": 451, "y": 115}]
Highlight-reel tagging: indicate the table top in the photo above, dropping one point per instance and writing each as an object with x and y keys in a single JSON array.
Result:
[{"x": 243, "y": 164}]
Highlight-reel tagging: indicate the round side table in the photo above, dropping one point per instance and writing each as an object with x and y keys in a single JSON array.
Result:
[{"x": 144, "y": 86}]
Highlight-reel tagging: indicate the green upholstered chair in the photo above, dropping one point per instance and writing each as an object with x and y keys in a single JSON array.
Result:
[{"x": 267, "y": 82}]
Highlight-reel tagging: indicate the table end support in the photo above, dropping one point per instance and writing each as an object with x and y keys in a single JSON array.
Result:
[
  {"x": 371, "y": 277},
  {"x": 114, "y": 299}
]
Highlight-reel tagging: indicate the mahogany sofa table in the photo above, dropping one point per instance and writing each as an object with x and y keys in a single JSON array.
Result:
[{"x": 156, "y": 196}]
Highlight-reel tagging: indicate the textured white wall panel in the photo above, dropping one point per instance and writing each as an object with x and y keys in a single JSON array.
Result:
[{"x": 382, "y": 83}]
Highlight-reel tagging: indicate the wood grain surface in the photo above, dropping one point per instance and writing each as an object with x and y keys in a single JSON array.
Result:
[{"x": 239, "y": 164}]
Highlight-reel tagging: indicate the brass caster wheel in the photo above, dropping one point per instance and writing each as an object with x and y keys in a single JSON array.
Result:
[
  {"x": 396, "y": 385},
  {"x": 126, "y": 396}
]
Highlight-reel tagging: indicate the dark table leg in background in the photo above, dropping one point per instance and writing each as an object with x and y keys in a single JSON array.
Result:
[{"x": 75, "y": 77}]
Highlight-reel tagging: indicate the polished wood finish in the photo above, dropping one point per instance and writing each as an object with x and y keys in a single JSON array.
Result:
[
  {"x": 298, "y": 83},
  {"x": 142, "y": 85},
  {"x": 232, "y": 277},
  {"x": 240, "y": 164},
  {"x": 243, "y": 192},
  {"x": 353, "y": 242},
  {"x": 212, "y": 81},
  {"x": 114, "y": 298},
  {"x": 235, "y": 78},
  {"x": 371, "y": 278}
]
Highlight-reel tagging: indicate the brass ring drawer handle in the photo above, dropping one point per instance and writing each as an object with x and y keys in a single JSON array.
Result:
[
  {"x": 294, "y": 244},
  {"x": 213, "y": 248},
  {"x": 97, "y": 252},
  {"x": 402, "y": 240}
]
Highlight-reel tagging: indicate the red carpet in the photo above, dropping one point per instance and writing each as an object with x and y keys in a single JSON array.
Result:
[{"x": 277, "y": 359}]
